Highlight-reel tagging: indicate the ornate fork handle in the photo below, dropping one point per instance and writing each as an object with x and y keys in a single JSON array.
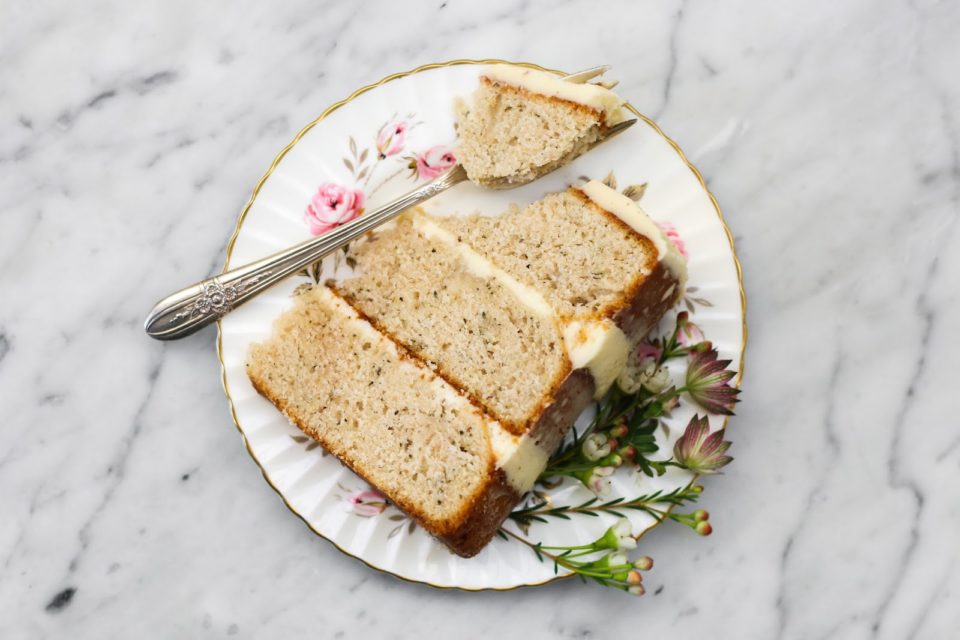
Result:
[{"x": 198, "y": 305}]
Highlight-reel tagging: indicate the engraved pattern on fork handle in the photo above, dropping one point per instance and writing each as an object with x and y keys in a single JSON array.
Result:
[{"x": 218, "y": 299}]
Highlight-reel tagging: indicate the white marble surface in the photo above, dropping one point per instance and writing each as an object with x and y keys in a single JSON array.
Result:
[{"x": 132, "y": 133}]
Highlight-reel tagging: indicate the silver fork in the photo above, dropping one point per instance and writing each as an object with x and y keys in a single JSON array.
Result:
[{"x": 190, "y": 309}]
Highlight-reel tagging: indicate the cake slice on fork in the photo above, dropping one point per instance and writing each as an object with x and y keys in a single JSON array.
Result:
[{"x": 523, "y": 123}]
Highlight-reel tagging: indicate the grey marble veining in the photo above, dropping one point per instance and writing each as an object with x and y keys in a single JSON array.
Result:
[{"x": 132, "y": 135}]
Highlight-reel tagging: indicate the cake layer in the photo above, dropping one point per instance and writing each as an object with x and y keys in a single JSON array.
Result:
[
  {"x": 509, "y": 135},
  {"x": 506, "y": 355},
  {"x": 382, "y": 413},
  {"x": 605, "y": 102},
  {"x": 586, "y": 260}
]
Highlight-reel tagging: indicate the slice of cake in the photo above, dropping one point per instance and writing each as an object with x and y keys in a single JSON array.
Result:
[
  {"x": 470, "y": 327},
  {"x": 591, "y": 251},
  {"x": 483, "y": 314},
  {"x": 392, "y": 420},
  {"x": 523, "y": 123}
]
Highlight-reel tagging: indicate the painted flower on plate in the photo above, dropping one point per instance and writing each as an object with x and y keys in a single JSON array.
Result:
[
  {"x": 671, "y": 232},
  {"x": 332, "y": 205},
  {"x": 701, "y": 451},
  {"x": 432, "y": 162},
  {"x": 391, "y": 137},
  {"x": 367, "y": 503},
  {"x": 688, "y": 332}
]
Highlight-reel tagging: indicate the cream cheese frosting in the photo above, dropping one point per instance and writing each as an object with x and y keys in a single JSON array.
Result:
[
  {"x": 601, "y": 99},
  {"x": 520, "y": 458}
]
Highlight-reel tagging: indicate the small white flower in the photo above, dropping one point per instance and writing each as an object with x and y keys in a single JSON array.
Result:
[
  {"x": 596, "y": 446},
  {"x": 617, "y": 559},
  {"x": 653, "y": 378}
]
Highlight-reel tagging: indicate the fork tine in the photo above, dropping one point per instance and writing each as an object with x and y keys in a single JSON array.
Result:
[
  {"x": 616, "y": 129},
  {"x": 587, "y": 74}
]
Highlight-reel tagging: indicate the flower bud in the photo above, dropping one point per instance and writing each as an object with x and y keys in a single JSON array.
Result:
[
  {"x": 634, "y": 577},
  {"x": 697, "y": 488},
  {"x": 701, "y": 516},
  {"x": 613, "y": 460},
  {"x": 619, "y": 430},
  {"x": 616, "y": 559},
  {"x": 595, "y": 447},
  {"x": 643, "y": 563},
  {"x": 628, "y": 453},
  {"x": 703, "y": 528},
  {"x": 636, "y": 590}
]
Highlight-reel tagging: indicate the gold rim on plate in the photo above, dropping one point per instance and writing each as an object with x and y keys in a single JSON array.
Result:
[{"x": 296, "y": 139}]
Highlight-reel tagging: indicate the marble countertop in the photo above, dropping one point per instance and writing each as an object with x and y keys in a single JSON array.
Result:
[{"x": 134, "y": 132}]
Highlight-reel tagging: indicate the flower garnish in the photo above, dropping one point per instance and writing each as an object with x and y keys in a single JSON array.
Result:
[
  {"x": 708, "y": 382},
  {"x": 597, "y": 479},
  {"x": 367, "y": 503},
  {"x": 391, "y": 137},
  {"x": 612, "y": 568},
  {"x": 596, "y": 446},
  {"x": 618, "y": 536},
  {"x": 699, "y": 450},
  {"x": 332, "y": 205}
]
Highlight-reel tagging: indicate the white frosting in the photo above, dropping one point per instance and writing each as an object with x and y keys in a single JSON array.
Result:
[
  {"x": 599, "y": 346},
  {"x": 481, "y": 267},
  {"x": 631, "y": 213},
  {"x": 609, "y": 104},
  {"x": 518, "y": 456}
]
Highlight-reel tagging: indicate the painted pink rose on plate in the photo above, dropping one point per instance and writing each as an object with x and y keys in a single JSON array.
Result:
[
  {"x": 367, "y": 503},
  {"x": 331, "y": 206},
  {"x": 432, "y": 162},
  {"x": 391, "y": 137},
  {"x": 671, "y": 232},
  {"x": 688, "y": 333}
]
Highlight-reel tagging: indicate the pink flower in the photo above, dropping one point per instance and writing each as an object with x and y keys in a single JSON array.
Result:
[
  {"x": 432, "y": 162},
  {"x": 671, "y": 232},
  {"x": 708, "y": 383},
  {"x": 367, "y": 503},
  {"x": 647, "y": 353},
  {"x": 390, "y": 138},
  {"x": 701, "y": 452},
  {"x": 331, "y": 206},
  {"x": 688, "y": 333}
]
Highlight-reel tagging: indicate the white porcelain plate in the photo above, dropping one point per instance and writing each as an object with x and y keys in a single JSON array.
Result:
[{"x": 381, "y": 141}]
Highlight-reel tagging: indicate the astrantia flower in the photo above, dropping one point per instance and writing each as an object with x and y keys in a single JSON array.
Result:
[
  {"x": 688, "y": 333},
  {"x": 367, "y": 503},
  {"x": 701, "y": 451},
  {"x": 619, "y": 536},
  {"x": 390, "y": 138},
  {"x": 708, "y": 383}
]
